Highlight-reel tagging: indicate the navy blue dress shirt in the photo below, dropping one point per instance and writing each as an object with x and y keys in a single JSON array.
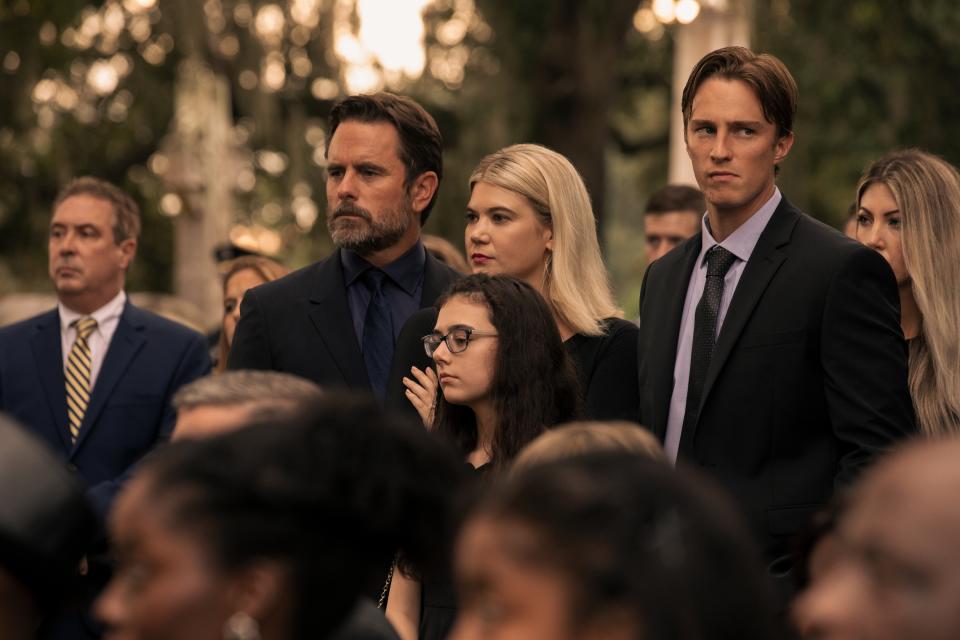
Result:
[{"x": 403, "y": 287}]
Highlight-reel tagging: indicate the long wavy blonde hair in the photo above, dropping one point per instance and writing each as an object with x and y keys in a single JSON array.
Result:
[
  {"x": 577, "y": 285},
  {"x": 927, "y": 192}
]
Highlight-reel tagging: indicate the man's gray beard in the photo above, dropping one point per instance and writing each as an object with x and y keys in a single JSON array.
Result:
[{"x": 369, "y": 236}]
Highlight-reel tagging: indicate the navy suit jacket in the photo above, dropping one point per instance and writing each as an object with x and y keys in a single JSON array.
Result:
[
  {"x": 148, "y": 359},
  {"x": 808, "y": 380},
  {"x": 301, "y": 324}
]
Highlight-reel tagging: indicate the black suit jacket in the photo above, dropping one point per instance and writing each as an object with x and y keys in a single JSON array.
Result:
[
  {"x": 301, "y": 324},
  {"x": 808, "y": 380},
  {"x": 129, "y": 413}
]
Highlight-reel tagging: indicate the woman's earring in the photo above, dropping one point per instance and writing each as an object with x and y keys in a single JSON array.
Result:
[{"x": 241, "y": 626}]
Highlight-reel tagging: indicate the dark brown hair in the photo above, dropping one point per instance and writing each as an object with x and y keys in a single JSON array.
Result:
[
  {"x": 769, "y": 78},
  {"x": 126, "y": 222},
  {"x": 421, "y": 145},
  {"x": 535, "y": 383},
  {"x": 632, "y": 535},
  {"x": 676, "y": 197}
]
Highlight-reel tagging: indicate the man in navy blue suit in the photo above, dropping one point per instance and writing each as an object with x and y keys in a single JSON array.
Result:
[{"x": 94, "y": 377}]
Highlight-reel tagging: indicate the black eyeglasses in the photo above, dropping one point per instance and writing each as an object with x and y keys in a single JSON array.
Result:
[{"x": 457, "y": 340}]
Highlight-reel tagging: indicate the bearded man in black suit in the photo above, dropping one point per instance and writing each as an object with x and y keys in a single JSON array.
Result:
[{"x": 336, "y": 321}]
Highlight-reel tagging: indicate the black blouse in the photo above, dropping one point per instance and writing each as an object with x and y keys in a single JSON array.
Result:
[{"x": 607, "y": 370}]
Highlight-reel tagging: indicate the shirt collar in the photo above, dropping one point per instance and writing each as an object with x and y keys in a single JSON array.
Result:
[
  {"x": 110, "y": 311},
  {"x": 742, "y": 242},
  {"x": 405, "y": 271}
]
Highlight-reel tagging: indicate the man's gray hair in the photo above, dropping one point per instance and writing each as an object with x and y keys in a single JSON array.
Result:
[{"x": 258, "y": 388}]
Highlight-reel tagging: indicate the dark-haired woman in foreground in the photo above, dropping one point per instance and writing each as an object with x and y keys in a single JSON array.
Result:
[
  {"x": 504, "y": 378},
  {"x": 270, "y": 532},
  {"x": 608, "y": 546}
]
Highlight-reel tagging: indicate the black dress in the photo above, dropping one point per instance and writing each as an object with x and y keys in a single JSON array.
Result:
[
  {"x": 607, "y": 371},
  {"x": 438, "y": 597}
]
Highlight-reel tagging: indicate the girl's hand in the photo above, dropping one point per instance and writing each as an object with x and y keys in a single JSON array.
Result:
[{"x": 422, "y": 393}]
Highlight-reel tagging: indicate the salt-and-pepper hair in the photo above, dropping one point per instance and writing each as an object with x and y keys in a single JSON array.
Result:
[{"x": 245, "y": 387}]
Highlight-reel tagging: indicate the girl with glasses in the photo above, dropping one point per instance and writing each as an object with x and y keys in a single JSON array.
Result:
[{"x": 505, "y": 378}]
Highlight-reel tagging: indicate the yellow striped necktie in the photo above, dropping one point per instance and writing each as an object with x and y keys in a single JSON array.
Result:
[{"x": 79, "y": 364}]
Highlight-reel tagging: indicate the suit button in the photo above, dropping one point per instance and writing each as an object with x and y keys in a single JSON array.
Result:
[{"x": 71, "y": 467}]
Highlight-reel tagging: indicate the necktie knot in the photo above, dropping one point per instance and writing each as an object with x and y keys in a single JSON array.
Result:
[
  {"x": 373, "y": 280},
  {"x": 719, "y": 261},
  {"x": 85, "y": 327}
]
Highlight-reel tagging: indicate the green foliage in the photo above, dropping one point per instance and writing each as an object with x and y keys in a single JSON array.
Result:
[{"x": 874, "y": 75}]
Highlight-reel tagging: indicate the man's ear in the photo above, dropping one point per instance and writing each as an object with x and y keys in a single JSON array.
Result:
[
  {"x": 422, "y": 190},
  {"x": 128, "y": 249},
  {"x": 782, "y": 147}
]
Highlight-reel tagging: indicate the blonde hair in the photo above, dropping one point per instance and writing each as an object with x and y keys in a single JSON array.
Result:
[
  {"x": 267, "y": 269},
  {"x": 577, "y": 438},
  {"x": 576, "y": 283},
  {"x": 927, "y": 191}
]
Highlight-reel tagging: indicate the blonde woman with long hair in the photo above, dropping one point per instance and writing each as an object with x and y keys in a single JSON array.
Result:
[
  {"x": 530, "y": 217},
  {"x": 909, "y": 211}
]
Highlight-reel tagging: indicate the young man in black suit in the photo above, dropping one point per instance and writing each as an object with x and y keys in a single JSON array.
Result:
[
  {"x": 336, "y": 321},
  {"x": 770, "y": 348}
]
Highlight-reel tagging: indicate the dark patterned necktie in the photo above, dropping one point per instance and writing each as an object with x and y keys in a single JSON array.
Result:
[
  {"x": 719, "y": 261},
  {"x": 377, "y": 333},
  {"x": 77, "y": 375}
]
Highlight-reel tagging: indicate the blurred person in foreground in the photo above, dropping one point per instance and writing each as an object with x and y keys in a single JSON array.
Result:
[
  {"x": 505, "y": 378},
  {"x": 909, "y": 211},
  {"x": 530, "y": 217},
  {"x": 608, "y": 546},
  {"x": 228, "y": 402},
  {"x": 894, "y": 573},
  {"x": 672, "y": 215},
  {"x": 771, "y": 354},
  {"x": 336, "y": 321},
  {"x": 46, "y": 524},
  {"x": 94, "y": 377},
  {"x": 244, "y": 273},
  {"x": 273, "y": 531}
]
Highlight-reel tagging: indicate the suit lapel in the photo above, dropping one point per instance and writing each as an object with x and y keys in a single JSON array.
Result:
[
  {"x": 671, "y": 312},
  {"x": 48, "y": 355},
  {"x": 126, "y": 342},
  {"x": 330, "y": 313},
  {"x": 764, "y": 263}
]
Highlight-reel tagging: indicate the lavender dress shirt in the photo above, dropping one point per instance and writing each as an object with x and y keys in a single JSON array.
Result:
[{"x": 741, "y": 244}]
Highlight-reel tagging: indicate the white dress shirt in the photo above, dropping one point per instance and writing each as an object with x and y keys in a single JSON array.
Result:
[
  {"x": 107, "y": 318},
  {"x": 741, "y": 244}
]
